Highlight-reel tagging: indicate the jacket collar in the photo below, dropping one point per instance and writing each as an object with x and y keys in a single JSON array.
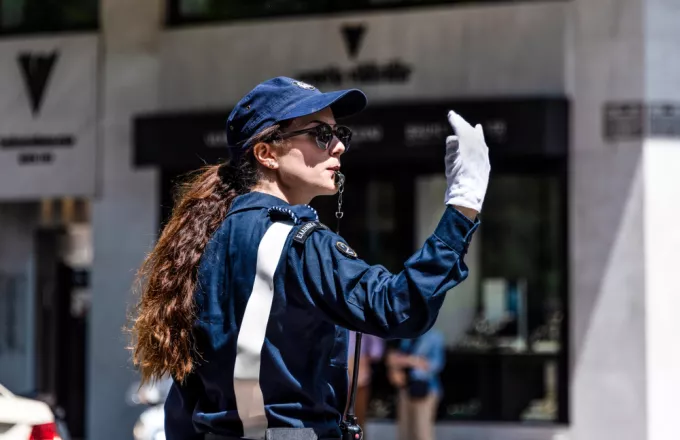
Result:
[
  {"x": 255, "y": 200},
  {"x": 278, "y": 209}
]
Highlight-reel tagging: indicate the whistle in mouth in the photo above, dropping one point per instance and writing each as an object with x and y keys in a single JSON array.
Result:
[{"x": 339, "y": 178}]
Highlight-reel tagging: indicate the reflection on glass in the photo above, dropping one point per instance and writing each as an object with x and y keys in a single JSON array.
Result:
[
  {"x": 380, "y": 224},
  {"x": 518, "y": 304},
  {"x": 465, "y": 409},
  {"x": 511, "y": 299},
  {"x": 48, "y": 15},
  {"x": 194, "y": 8},
  {"x": 505, "y": 363},
  {"x": 460, "y": 307},
  {"x": 503, "y": 326},
  {"x": 12, "y": 309},
  {"x": 545, "y": 409},
  {"x": 12, "y": 13}
]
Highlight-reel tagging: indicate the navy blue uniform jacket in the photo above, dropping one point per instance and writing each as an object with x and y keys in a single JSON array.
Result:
[{"x": 276, "y": 294}]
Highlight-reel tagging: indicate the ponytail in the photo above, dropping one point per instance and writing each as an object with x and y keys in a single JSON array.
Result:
[{"x": 162, "y": 340}]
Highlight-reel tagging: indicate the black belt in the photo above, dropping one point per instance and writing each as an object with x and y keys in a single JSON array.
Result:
[{"x": 277, "y": 434}]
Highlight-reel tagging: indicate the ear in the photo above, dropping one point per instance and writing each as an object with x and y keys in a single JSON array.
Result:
[{"x": 266, "y": 155}]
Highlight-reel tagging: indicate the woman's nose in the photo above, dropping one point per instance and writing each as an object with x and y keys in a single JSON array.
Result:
[{"x": 337, "y": 147}]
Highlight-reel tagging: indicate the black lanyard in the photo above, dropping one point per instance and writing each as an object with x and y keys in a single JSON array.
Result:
[{"x": 349, "y": 426}]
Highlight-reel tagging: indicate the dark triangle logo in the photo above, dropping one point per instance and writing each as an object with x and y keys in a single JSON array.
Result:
[
  {"x": 36, "y": 70},
  {"x": 353, "y": 35}
]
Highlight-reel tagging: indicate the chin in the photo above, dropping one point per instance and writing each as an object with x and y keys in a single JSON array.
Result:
[
  {"x": 321, "y": 187},
  {"x": 326, "y": 189}
]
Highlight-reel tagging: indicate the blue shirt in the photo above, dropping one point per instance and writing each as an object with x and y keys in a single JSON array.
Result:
[
  {"x": 431, "y": 347},
  {"x": 288, "y": 367}
]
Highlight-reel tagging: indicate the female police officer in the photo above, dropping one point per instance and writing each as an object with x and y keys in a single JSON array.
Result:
[{"x": 246, "y": 298}]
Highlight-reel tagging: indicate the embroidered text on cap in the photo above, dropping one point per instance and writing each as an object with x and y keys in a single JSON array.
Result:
[{"x": 304, "y": 85}]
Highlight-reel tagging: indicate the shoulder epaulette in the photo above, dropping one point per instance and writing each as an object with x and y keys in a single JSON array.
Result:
[{"x": 304, "y": 231}]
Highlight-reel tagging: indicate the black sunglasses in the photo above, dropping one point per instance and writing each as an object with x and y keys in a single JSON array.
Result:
[{"x": 324, "y": 134}]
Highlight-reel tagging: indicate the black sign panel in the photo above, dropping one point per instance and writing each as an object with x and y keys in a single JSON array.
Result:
[
  {"x": 181, "y": 141},
  {"x": 404, "y": 132},
  {"x": 664, "y": 120},
  {"x": 633, "y": 121},
  {"x": 624, "y": 121}
]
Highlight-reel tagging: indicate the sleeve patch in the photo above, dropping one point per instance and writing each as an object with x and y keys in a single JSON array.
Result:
[{"x": 345, "y": 250}]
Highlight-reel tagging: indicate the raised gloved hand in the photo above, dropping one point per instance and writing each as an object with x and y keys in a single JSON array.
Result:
[{"x": 467, "y": 165}]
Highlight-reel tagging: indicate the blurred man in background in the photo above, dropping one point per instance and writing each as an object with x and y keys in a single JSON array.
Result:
[{"x": 414, "y": 366}]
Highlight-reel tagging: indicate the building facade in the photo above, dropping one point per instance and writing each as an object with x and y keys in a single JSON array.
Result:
[{"x": 563, "y": 329}]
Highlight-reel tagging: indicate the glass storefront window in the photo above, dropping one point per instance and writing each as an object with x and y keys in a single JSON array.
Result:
[
  {"x": 505, "y": 327},
  {"x": 188, "y": 11},
  {"x": 512, "y": 351},
  {"x": 34, "y": 16}
]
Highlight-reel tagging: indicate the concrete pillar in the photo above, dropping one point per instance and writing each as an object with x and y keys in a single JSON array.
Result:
[
  {"x": 125, "y": 211},
  {"x": 662, "y": 223},
  {"x": 625, "y": 198}
]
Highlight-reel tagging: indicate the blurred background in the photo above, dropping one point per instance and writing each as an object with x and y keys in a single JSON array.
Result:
[{"x": 567, "y": 326}]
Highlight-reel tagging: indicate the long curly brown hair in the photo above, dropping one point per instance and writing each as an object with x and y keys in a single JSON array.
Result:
[{"x": 161, "y": 331}]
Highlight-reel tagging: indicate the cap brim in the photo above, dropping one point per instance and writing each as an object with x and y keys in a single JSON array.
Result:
[{"x": 343, "y": 103}]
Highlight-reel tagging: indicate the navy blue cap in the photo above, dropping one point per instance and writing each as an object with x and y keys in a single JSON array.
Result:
[{"x": 282, "y": 98}]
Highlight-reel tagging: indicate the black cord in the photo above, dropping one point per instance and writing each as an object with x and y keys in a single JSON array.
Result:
[
  {"x": 349, "y": 426},
  {"x": 355, "y": 375}
]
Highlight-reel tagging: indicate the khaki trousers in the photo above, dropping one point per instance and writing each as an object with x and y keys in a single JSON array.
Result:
[{"x": 416, "y": 417}]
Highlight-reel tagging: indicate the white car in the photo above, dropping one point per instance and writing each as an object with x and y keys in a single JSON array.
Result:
[
  {"x": 25, "y": 419},
  {"x": 150, "y": 425}
]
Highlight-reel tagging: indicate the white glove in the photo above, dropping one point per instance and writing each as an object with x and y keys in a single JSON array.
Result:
[{"x": 467, "y": 164}]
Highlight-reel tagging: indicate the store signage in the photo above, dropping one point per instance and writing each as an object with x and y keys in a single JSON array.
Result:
[
  {"x": 353, "y": 36},
  {"x": 48, "y": 129},
  {"x": 392, "y": 57},
  {"x": 396, "y": 131},
  {"x": 367, "y": 72},
  {"x": 633, "y": 121},
  {"x": 623, "y": 121},
  {"x": 664, "y": 120}
]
